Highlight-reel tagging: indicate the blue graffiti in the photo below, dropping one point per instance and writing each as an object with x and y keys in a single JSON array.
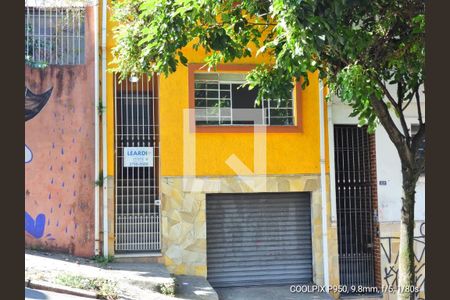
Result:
[
  {"x": 28, "y": 154},
  {"x": 35, "y": 227}
]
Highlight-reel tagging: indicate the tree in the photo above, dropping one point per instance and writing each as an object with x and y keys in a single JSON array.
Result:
[{"x": 359, "y": 48}]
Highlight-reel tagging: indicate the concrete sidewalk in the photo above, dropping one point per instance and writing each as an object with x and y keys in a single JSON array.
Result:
[
  {"x": 140, "y": 281},
  {"x": 32, "y": 294},
  {"x": 267, "y": 293}
]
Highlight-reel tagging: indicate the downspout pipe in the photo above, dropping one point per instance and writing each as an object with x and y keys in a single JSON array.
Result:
[
  {"x": 323, "y": 188},
  {"x": 332, "y": 163},
  {"x": 104, "y": 142},
  {"x": 97, "y": 135}
]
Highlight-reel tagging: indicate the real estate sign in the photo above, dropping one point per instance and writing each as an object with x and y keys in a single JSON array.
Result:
[{"x": 138, "y": 157}]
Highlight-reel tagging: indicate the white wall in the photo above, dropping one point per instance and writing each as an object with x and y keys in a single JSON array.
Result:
[{"x": 388, "y": 166}]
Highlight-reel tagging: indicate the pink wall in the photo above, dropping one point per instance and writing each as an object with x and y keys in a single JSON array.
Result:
[{"x": 59, "y": 180}]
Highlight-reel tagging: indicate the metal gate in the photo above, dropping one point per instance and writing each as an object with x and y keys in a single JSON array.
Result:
[
  {"x": 354, "y": 207},
  {"x": 137, "y": 213},
  {"x": 258, "y": 239}
]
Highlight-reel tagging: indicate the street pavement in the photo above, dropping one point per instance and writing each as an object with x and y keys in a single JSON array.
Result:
[
  {"x": 31, "y": 294},
  {"x": 267, "y": 293}
]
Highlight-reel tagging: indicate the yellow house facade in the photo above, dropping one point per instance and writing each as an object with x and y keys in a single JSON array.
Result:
[{"x": 196, "y": 162}]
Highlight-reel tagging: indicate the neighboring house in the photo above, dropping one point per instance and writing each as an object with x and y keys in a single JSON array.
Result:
[
  {"x": 386, "y": 192},
  {"x": 194, "y": 175}
]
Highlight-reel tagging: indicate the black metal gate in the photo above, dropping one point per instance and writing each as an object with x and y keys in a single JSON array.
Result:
[
  {"x": 354, "y": 208},
  {"x": 137, "y": 213}
]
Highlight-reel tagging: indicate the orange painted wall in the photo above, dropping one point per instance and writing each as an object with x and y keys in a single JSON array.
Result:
[
  {"x": 59, "y": 180},
  {"x": 287, "y": 153}
]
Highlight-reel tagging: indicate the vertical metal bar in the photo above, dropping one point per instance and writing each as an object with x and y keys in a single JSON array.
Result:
[
  {"x": 231, "y": 103},
  {"x": 56, "y": 34},
  {"x": 220, "y": 107},
  {"x": 363, "y": 280},
  {"x": 150, "y": 236},
  {"x": 61, "y": 24},
  {"x": 140, "y": 144},
  {"x": 123, "y": 198},
  {"x": 367, "y": 183},
  {"x": 116, "y": 227},
  {"x": 367, "y": 230},
  {"x": 142, "y": 141},
  {"x": 339, "y": 223},
  {"x": 39, "y": 34},
  {"x": 155, "y": 167},
  {"x": 133, "y": 169},
  {"x": 154, "y": 196},
  {"x": 72, "y": 33},
  {"x": 344, "y": 202},
  {"x": 66, "y": 24},
  {"x": 45, "y": 34},
  {"x": 127, "y": 170},
  {"x": 52, "y": 35},
  {"x": 143, "y": 144},
  {"x": 355, "y": 208},
  {"x": 27, "y": 29},
  {"x": 347, "y": 214}
]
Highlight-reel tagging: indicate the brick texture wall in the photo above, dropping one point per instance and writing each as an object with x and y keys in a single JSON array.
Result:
[{"x": 374, "y": 194}]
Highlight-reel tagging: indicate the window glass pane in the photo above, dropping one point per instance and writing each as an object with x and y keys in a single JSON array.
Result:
[
  {"x": 281, "y": 121},
  {"x": 212, "y": 103},
  {"x": 232, "y": 77},
  {"x": 225, "y": 121},
  {"x": 281, "y": 112},
  {"x": 200, "y": 94},
  {"x": 212, "y": 94},
  {"x": 243, "y": 97},
  {"x": 225, "y": 103},
  {"x": 212, "y": 86},
  {"x": 237, "y": 103},
  {"x": 225, "y": 94},
  {"x": 200, "y": 103},
  {"x": 200, "y": 85},
  {"x": 225, "y": 112},
  {"x": 205, "y": 76}
]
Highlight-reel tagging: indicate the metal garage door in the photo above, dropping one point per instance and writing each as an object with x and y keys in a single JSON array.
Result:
[{"x": 258, "y": 239}]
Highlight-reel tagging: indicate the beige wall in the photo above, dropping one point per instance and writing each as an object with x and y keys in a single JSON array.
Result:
[{"x": 184, "y": 218}]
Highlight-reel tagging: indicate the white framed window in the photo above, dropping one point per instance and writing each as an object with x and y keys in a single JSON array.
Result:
[
  {"x": 55, "y": 35},
  {"x": 220, "y": 99}
]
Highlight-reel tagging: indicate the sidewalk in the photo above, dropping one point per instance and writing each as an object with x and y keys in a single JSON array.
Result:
[{"x": 133, "y": 280}]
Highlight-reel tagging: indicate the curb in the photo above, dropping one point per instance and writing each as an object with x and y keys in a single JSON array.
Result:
[{"x": 53, "y": 287}]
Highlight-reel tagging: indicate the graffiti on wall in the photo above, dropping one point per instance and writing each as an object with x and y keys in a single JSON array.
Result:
[
  {"x": 34, "y": 103},
  {"x": 390, "y": 251}
]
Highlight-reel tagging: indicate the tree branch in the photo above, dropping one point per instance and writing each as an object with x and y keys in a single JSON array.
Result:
[
  {"x": 388, "y": 94},
  {"x": 381, "y": 110},
  {"x": 407, "y": 103},
  {"x": 397, "y": 107},
  {"x": 419, "y": 110}
]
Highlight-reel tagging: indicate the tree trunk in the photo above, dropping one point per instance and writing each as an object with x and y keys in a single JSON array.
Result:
[{"x": 406, "y": 273}]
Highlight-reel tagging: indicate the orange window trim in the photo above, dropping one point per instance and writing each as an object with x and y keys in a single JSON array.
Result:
[{"x": 233, "y": 68}]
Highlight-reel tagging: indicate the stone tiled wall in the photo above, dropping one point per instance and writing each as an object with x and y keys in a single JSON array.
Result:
[
  {"x": 184, "y": 218},
  {"x": 390, "y": 242}
]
